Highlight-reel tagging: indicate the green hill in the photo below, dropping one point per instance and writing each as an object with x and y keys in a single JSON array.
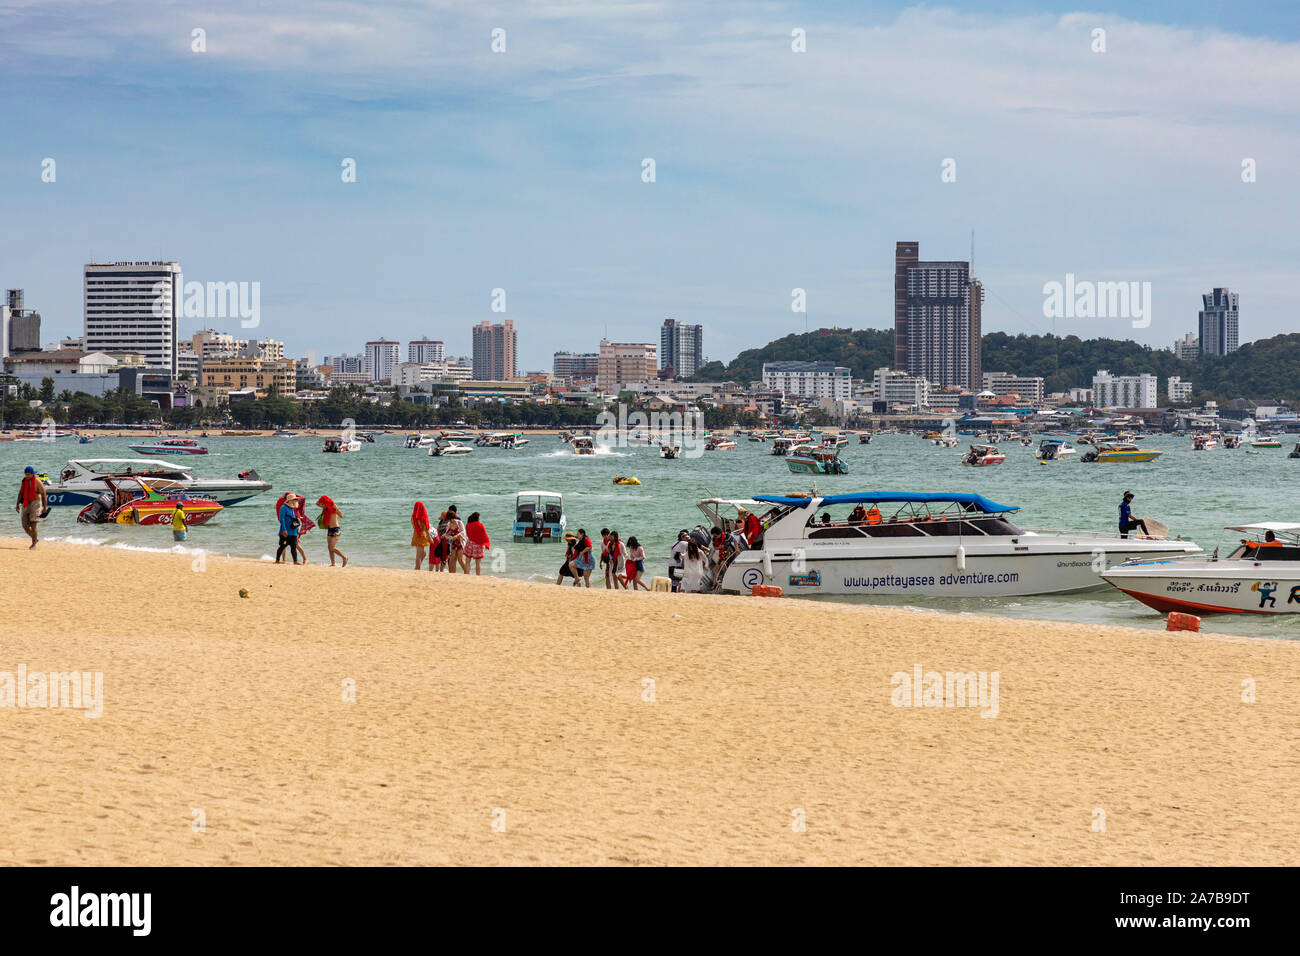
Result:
[{"x": 1267, "y": 370}]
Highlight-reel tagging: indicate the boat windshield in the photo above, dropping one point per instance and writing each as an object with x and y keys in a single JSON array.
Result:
[{"x": 912, "y": 520}]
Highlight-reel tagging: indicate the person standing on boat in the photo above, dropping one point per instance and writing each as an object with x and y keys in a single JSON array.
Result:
[
  {"x": 32, "y": 503},
  {"x": 751, "y": 526},
  {"x": 1126, "y": 520},
  {"x": 329, "y": 520},
  {"x": 180, "y": 527}
]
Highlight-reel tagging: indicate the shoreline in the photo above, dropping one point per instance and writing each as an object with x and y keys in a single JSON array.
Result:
[{"x": 496, "y": 694}]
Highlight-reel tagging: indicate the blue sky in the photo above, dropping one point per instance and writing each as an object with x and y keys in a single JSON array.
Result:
[{"x": 775, "y": 170}]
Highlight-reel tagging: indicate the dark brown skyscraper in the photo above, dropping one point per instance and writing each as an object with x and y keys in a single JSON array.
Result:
[{"x": 937, "y": 319}]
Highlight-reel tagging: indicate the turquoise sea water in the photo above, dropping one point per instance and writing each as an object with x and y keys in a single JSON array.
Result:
[{"x": 1195, "y": 493}]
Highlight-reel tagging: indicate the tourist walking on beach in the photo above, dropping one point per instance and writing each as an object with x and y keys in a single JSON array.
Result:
[
  {"x": 566, "y": 569},
  {"x": 290, "y": 524},
  {"x": 180, "y": 526},
  {"x": 604, "y": 555},
  {"x": 617, "y": 561},
  {"x": 635, "y": 566},
  {"x": 477, "y": 543},
  {"x": 32, "y": 503},
  {"x": 329, "y": 520},
  {"x": 676, "y": 556},
  {"x": 584, "y": 562},
  {"x": 1126, "y": 520},
  {"x": 421, "y": 534},
  {"x": 455, "y": 535}
]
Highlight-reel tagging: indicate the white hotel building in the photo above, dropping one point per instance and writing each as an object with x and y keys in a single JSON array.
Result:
[
  {"x": 898, "y": 388},
  {"x": 809, "y": 379},
  {"x": 381, "y": 356},
  {"x": 132, "y": 307},
  {"x": 1123, "y": 391}
]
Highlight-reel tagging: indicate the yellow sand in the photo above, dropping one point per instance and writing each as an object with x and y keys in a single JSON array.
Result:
[{"x": 481, "y": 700}]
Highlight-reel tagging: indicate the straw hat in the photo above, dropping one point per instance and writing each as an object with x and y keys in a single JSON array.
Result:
[{"x": 570, "y": 536}]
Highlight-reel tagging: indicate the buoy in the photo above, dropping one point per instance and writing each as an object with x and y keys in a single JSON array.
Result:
[
  {"x": 765, "y": 590},
  {"x": 1178, "y": 621}
]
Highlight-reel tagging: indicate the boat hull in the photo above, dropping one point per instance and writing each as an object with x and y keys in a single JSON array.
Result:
[
  {"x": 167, "y": 450},
  {"x": 936, "y": 571},
  {"x": 1206, "y": 587},
  {"x": 225, "y": 495}
]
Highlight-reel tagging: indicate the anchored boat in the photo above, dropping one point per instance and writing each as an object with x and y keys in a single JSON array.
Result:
[
  {"x": 539, "y": 517},
  {"x": 170, "y": 446},
  {"x": 925, "y": 544},
  {"x": 85, "y": 479},
  {"x": 1119, "y": 451},
  {"x": 1260, "y": 576},
  {"x": 822, "y": 460},
  {"x": 133, "y": 501},
  {"x": 983, "y": 455}
]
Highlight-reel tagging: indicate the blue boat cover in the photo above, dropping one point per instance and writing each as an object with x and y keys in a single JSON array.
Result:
[{"x": 880, "y": 497}]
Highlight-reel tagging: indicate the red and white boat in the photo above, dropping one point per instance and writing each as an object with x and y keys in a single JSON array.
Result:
[
  {"x": 132, "y": 501},
  {"x": 1260, "y": 576},
  {"x": 980, "y": 455},
  {"x": 170, "y": 446}
]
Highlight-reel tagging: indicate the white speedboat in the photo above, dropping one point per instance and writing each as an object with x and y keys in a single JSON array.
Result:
[
  {"x": 782, "y": 446},
  {"x": 720, "y": 444},
  {"x": 82, "y": 481},
  {"x": 1054, "y": 449},
  {"x": 915, "y": 543},
  {"x": 442, "y": 448},
  {"x": 583, "y": 445},
  {"x": 671, "y": 452},
  {"x": 419, "y": 441},
  {"x": 1260, "y": 576}
]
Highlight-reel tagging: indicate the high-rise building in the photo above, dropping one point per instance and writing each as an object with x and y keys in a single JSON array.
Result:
[
  {"x": 1188, "y": 348},
  {"x": 1028, "y": 387},
  {"x": 625, "y": 362},
  {"x": 421, "y": 351},
  {"x": 681, "y": 348},
  {"x": 132, "y": 307},
  {"x": 1178, "y": 390},
  {"x": 579, "y": 366},
  {"x": 1123, "y": 391},
  {"x": 20, "y": 328},
  {"x": 898, "y": 388},
  {"x": 937, "y": 326},
  {"x": 347, "y": 369},
  {"x": 494, "y": 352},
  {"x": 1218, "y": 322},
  {"x": 381, "y": 355},
  {"x": 809, "y": 379}
]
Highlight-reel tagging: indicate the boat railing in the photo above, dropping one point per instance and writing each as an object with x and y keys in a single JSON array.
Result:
[{"x": 1107, "y": 535}]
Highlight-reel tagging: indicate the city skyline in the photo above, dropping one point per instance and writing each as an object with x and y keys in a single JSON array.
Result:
[{"x": 484, "y": 164}]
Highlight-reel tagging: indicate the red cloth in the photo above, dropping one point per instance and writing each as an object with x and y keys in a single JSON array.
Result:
[
  {"x": 328, "y": 507},
  {"x": 478, "y": 534},
  {"x": 29, "y": 490},
  {"x": 753, "y": 527},
  {"x": 420, "y": 518},
  {"x": 305, "y": 524}
]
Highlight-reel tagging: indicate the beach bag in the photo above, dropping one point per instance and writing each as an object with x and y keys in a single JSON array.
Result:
[{"x": 294, "y": 523}]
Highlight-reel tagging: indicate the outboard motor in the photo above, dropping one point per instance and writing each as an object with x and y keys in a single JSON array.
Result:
[
  {"x": 539, "y": 525},
  {"x": 701, "y": 536}
]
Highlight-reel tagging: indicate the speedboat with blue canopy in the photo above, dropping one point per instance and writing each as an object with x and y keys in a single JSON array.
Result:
[{"x": 927, "y": 544}]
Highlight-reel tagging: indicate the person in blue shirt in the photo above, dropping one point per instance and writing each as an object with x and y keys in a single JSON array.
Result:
[
  {"x": 288, "y": 529},
  {"x": 1126, "y": 520}
]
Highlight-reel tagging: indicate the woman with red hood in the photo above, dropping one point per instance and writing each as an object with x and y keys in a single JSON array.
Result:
[
  {"x": 421, "y": 534},
  {"x": 477, "y": 543},
  {"x": 329, "y": 520}
]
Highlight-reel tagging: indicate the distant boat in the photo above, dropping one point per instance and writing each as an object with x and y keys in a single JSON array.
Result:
[
  {"x": 1120, "y": 452},
  {"x": 171, "y": 446}
]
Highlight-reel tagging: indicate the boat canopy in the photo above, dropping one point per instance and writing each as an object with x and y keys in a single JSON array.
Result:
[
  {"x": 979, "y": 502},
  {"x": 112, "y": 466},
  {"x": 1277, "y": 527},
  {"x": 537, "y": 494}
]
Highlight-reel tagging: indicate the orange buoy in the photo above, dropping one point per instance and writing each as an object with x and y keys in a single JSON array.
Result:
[
  {"x": 765, "y": 590},
  {"x": 1178, "y": 621}
]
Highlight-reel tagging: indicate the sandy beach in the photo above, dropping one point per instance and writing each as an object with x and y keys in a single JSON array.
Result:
[{"x": 499, "y": 721}]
